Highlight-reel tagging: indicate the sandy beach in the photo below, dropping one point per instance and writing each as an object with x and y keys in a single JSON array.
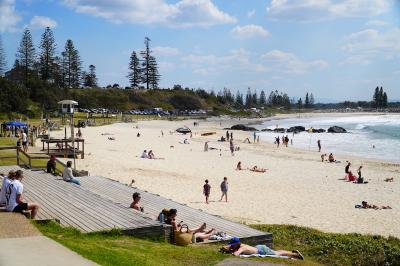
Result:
[{"x": 296, "y": 189}]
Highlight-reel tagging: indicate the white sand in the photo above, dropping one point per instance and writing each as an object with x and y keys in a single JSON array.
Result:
[{"x": 296, "y": 189}]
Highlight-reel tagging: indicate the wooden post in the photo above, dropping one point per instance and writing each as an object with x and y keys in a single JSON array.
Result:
[
  {"x": 17, "y": 156},
  {"x": 83, "y": 150},
  {"x": 30, "y": 161}
]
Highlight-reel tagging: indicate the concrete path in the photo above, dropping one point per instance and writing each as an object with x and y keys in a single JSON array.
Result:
[
  {"x": 22, "y": 244},
  {"x": 38, "y": 251}
]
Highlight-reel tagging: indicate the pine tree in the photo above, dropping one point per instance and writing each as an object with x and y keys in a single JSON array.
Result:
[
  {"x": 134, "y": 73},
  {"x": 47, "y": 54},
  {"x": 239, "y": 99},
  {"x": 146, "y": 62},
  {"x": 376, "y": 97},
  {"x": 90, "y": 79},
  {"x": 311, "y": 100},
  {"x": 380, "y": 102},
  {"x": 255, "y": 99},
  {"x": 384, "y": 100},
  {"x": 249, "y": 98},
  {"x": 300, "y": 104},
  {"x": 153, "y": 76},
  {"x": 262, "y": 100},
  {"x": 3, "y": 63},
  {"x": 307, "y": 102},
  {"x": 26, "y": 53},
  {"x": 72, "y": 65}
]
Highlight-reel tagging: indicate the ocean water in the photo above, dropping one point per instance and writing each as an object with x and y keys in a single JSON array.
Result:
[{"x": 365, "y": 132}]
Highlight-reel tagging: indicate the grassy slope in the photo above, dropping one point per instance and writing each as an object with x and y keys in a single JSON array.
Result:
[
  {"x": 318, "y": 247},
  {"x": 336, "y": 249}
]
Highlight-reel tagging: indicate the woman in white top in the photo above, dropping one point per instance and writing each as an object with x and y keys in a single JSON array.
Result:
[{"x": 68, "y": 175}]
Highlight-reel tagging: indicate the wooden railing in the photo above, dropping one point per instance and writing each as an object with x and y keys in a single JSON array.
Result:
[{"x": 27, "y": 160}]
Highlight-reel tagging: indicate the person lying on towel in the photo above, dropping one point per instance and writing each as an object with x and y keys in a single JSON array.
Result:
[{"x": 236, "y": 248}]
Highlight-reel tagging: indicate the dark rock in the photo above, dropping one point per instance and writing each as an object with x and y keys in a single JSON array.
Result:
[
  {"x": 336, "y": 129},
  {"x": 243, "y": 127},
  {"x": 279, "y": 130},
  {"x": 266, "y": 129},
  {"x": 321, "y": 130},
  {"x": 296, "y": 129}
]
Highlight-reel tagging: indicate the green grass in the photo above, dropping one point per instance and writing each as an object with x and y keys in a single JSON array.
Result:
[
  {"x": 113, "y": 248},
  {"x": 319, "y": 248},
  {"x": 8, "y": 142},
  {"x": 336, "y": 249}
]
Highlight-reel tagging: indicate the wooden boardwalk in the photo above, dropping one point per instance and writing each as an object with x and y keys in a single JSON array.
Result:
[
  {"x": 153, "y": 204},
  {"x": 100, "y": 204},
  {"x": 72, "y": 205}
]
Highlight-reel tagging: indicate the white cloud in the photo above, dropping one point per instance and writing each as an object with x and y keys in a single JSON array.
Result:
[
  {"x": 184, "y": 13},
  {"x": 375, "y": 23},
  {"x": 249, "y": 31},
  {"x": 365, "y": 46},
  {"x": 8, "y": 16},
  {"x": 165, "y": 51},
  {"x": 235, "y": 60},
  {"x": 317, "y": 10},
  {"x": 39, "y": 22},
  {"x": 290, "y": 63},
  {"x": 251, "y": 13}
]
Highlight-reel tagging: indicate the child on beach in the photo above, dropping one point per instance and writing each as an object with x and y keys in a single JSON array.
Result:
[
  {"x": 206, "y": 190},
  {"x": 224, "y": 189}
]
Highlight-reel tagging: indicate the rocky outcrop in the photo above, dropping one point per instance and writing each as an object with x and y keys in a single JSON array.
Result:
[
  {"x": 321, "y": 130},
  {"x": 296, "y": 129},
  {"x": 280, "y": 130},
  {"x": 243, "y": 128},
  {"x": 336, "y": 129},
  {"x": 266, "y": 129}
]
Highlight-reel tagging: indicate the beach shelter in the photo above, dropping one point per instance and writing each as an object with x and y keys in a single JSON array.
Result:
[{"x": 15, "y": 124}]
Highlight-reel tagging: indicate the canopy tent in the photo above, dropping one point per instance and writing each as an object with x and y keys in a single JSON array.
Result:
[{"x": 15, "y": 124}]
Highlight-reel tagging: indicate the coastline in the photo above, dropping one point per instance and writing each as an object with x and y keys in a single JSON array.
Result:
[{"x": 296, "y": 189}]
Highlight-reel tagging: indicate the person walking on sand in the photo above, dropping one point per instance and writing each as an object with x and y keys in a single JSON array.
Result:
[
  {"x": 277, "y": 141},
  {"x": 206, "y": 190},
  {"x": 227, "y": 135},
  {"x": 231, "y": 135},
  {"x": 232, "y": 147},
  {"x": 319, "y": 145},
  {"x": 224, "y": 189},
  {"x": 206, "y": 146},
  {"x": 254, "y": 137}
]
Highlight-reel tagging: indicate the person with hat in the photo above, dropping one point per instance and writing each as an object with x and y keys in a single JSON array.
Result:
[
  {"x": 237, "y": 248},
  {"x": 51, "y": 165},
  {"x": 135, "y": 203}
]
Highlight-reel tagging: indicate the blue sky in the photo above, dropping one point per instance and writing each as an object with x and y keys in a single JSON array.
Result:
[{"x": 336, "y": 49}]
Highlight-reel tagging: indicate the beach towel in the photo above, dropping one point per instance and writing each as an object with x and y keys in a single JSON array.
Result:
[
  {"x": 220, "y": 236},
  {"x": 265, "y": 256}
]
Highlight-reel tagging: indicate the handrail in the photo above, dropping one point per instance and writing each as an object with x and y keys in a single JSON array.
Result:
[{"x": 27, "y": 159}]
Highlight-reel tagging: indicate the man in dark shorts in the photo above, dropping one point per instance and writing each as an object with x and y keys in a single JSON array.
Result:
[
  {"x": 347, "y": 168},
  {"x": 206, "y": 190},
  {"x": 14, "y": 202}
]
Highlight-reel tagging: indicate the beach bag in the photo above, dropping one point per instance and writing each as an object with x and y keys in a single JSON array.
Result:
[{"x": 183, "y": 237}]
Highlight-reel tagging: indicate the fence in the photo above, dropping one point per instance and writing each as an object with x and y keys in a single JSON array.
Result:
[{"x": 30, "y": 160}]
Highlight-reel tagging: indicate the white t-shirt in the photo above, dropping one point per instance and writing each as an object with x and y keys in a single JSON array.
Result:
[
  {"x": 24, "y": 137},
  {"x": 67, "y": 174},
  {"x": 14, "y": 188},
  {"x": 4, "y": 186}
]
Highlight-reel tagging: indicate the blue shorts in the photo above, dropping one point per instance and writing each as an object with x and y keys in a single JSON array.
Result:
[{"x": 264, "y": 250}]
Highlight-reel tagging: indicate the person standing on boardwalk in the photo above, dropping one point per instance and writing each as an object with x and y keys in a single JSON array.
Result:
[
  {"x": 319, "y": 145},
  {"x": 206, "y": 190},
  {"x": 224, "y": 189}
]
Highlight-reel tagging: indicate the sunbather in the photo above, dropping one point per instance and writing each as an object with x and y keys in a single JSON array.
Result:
[
  {"x": 237, "y": 248},
  {"x": 144, "y": 155},
  {"x": 135, "y": 202},
  {"x": 257, "y": 169},
  {"x": 351, "y": 177},
  {"x": 151, "y": 155},
  {"x": 331, "y": 158},
  {"x": 199, "y": 232},
  {"x": 365, "y": 205},
  {"x": 68, "y": 175},
  {"x": 391, "y": 179}
]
